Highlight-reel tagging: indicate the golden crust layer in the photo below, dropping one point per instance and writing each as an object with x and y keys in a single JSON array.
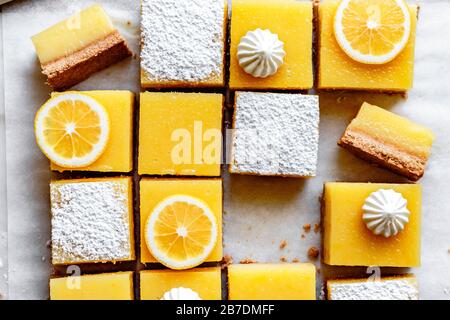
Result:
[
  {"x": 70, "y": 70},
  {"x": 364, "y": 146}
]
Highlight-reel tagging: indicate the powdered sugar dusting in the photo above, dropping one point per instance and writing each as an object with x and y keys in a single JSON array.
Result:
[
  {"x": 182, "y": 40},
  {"x": 396, "y": 289},
  {"x": 276, "y": 134},
  {"x": 90, "y": 221}
]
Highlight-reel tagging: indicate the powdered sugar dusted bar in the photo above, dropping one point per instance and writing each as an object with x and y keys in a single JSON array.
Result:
[
  {"x": 91, "y": 220},
  {"x": 275, "y": 134},
  {"x": 183, "y": 43},
  {"x": 395, "y": 288}
]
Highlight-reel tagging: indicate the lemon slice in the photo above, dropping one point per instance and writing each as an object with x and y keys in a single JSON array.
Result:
[
  {"x": 72, "y": 130},
  {"x": 181, "y": 232},
  {"x": 372, "y": 31}
]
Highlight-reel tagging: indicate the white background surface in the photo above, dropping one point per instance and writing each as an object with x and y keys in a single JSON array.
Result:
[{"x": 259, "y": 212}]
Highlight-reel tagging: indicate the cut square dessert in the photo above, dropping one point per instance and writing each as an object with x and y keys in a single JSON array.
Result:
[
  {"x": 194, "y": 284},
  {"x": 389, "y": 140},
  {"x": 105, "y": 286},
  {"x": 180, "y": 134},
  {"x": 337, "y": 70},
  {"x": 275, "y": 134},
  {"x": 290, "y": 22},
  {"x": 372, "y": 224},
  {"x": 118, "y": 154},
  {"x": 257, "y": 281},
  {"x": 74, "y": 49},
  {"x": 92, "y": 220},
  {"x": 386, "y": 288},
  {"x": 183, "y": 43},
  {"x": 154, "y": 191}
]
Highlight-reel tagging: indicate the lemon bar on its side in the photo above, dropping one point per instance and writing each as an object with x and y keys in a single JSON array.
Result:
[
  {"x": 74, "y": 49},
  {"x": 389, "y": 140}
]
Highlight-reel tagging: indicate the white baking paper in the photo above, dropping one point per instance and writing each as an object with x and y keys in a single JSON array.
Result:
[{"x": 260, "y": 213}]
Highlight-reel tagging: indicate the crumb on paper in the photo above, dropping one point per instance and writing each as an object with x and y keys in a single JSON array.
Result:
[
  {"x": 283, "y": 259},
  {"x": 283, "y": 244},
  {"x": 316, "y": 228},
  {"x": 295, "y": 260},
  {"x": 313, "y": 253},
  {"x": 318, "y": 270},
  {"x": 307, "y": 227},
  {"x": 303, "y": 236},
  {"x": 226, "y": 261},
  {"x": 247, "y": 261}
]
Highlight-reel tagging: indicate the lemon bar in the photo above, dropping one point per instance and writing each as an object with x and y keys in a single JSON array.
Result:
[
  {"x": 386, "y": 288},
  {"x": 106, "y": 286},
  {"x": 74, "y": 49},
  {"x": 347, "y": 239},
  {"x": 205, "y": 282},
  {"x": 296, "y": 281},
  {"x": 275, "y": 134},
  {"x": 92, "y": 220},
  {"x": 183, "y": 43},
  {"x": 389, "y": 140},
  {"x": 180, "y": 134},
  {"x": 336, "y": 70},
  {"x": 292, "y": 22},
  {"x": 153, "y": 191},
  {"x": 118, "y": 155}
]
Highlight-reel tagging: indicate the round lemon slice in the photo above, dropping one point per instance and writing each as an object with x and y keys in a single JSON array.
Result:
[
  {"x": 72, "y": 130},
  {"x": 372, "y": 31},
  {"x": 181, "y": 232}
]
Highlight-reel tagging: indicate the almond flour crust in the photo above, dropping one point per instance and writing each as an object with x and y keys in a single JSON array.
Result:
[
  {"x": 66, "y": 72},
  {"x": 384, "y": 155}
]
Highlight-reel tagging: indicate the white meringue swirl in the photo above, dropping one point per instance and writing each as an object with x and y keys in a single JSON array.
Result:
[
  {"x": 181, "y": 294},
  {"x": 261, "y": 53},
  {"x": 385, "y": 212}
]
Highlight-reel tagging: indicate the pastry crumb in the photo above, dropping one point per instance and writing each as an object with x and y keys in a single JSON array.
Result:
[
  {"x": 283, "y": 259},
  {"x": 295, "y": 260},
  {"x": 283, "y": 244},
  {"x": 313, "y": 253},
  {"x": 307, "y": 227},
  {"x": 316, "y": 228},
  {"x": 303, "y": 236},
  {"x": 247, "y": 261},
  {"x": 226, "y": 261}
]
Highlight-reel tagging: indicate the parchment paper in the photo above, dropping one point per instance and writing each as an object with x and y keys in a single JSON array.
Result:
[{"x": 260, "y": 213}]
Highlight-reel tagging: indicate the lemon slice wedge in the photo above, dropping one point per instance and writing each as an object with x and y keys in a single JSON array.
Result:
[
  {"x": 181, "y": 232},
  {"x": 372, "y": 31},
  {"x": 72, "y": 130}
]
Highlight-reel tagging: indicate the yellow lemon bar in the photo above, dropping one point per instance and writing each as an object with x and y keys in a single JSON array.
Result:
[
  {"x": 348, "y": 241},
  {"x": 389, "y": 140},
  {"x": 206, "y": 282},
  {"x": 257, "y": 281},
  {"x": 292, "y": 21},
  {"x": 72, "y": 50},
  {"x": 153, "y": 191},
  {"x": 180, "y": 134},
  {"x": 118, "y": 155},
  {"x": 385, "y": 288},
  {"x": 106, "y": 286},
  {"x": 338, "y": 71},
  {"x": 92, "y": 220},
  {"x": 183, "y": 43}
]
